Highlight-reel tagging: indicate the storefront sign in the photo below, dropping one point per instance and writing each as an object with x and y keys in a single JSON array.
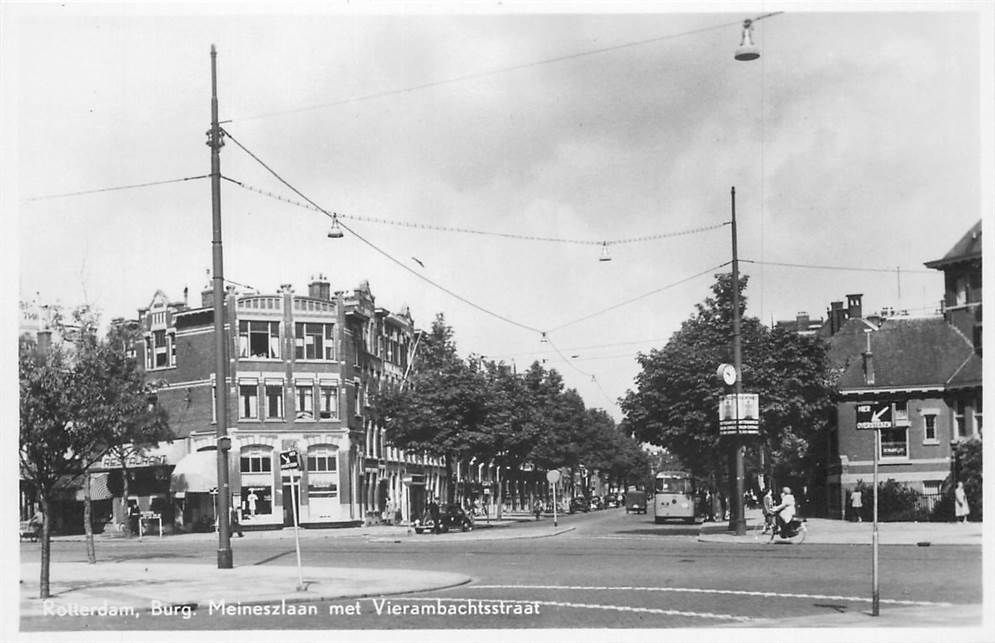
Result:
[{"x": 133, "y": 460}]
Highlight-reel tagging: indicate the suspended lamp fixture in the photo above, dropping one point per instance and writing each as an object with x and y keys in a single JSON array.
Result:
[
  {"x": 335, "y": 232},
  {"x": 604, "y": 252},
  {"x": 747, "y": 50}
]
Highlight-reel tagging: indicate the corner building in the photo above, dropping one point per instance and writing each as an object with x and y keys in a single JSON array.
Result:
[{"x": 301, "y": 371}]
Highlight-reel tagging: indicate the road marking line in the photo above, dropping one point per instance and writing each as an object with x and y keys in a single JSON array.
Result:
[
  {"x": 695, "y": 590},
  {"x": 618, "y": 608}
]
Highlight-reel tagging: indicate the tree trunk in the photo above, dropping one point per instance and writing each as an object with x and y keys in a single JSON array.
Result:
[
  {"x": 46, "y": 548},
  {"x": 450, "y": 492},
  {"x": 500, "y": 491},
  {"x": 91, "y": 552}
]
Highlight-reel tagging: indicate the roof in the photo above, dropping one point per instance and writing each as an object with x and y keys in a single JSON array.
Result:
[
  {"x": 967, "y": 249},
  {"x": 849, "y": 342},
  {"x": 916, "y": 354}
]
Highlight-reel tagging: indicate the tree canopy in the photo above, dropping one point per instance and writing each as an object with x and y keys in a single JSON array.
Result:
[{"x": 675, "y": 402}]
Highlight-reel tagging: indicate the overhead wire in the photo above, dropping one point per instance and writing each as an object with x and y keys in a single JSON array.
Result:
[
  {"x": 458, "y": 229},
  {"x": 592, "y": 376},
  {"x": 384, "y": 253},
  {"x": 115, "y": 188},
  {"x": 844, "y": 268},
  {"x": 486, "y": 73},
  {"x": 638, "y": 297}
]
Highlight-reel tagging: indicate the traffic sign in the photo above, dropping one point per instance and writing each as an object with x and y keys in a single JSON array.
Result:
[
  {"x": 873, "y": 416},
  {"x": 289, "y": 460},
  {"x": 553, "y": 476}
]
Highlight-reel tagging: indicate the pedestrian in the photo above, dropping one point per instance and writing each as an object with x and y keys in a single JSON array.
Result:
[
  {"x": 857, "y": 503},
  {"x": 134, "y": 516},
  {"x": 236, "y": 526},
  {"x": 961, "y": 508},
  {"x": 768, "y": 509},
  {"x": 537, "y": 509},
  {"x": 36, "y": 523},
  {"x": 433, "y": 511}
]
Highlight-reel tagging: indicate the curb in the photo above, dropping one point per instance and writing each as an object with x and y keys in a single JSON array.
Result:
[{"x": 427, "y": 538}]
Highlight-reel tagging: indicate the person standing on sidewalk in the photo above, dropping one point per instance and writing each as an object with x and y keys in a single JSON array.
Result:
[
  {"x": 857, "y": 503},
  {"x": 433, "y": 511},
  {"x": 768, "y": 510},
  {"x": 961, "y": 508},
  {"x": 235, "y": 525}
]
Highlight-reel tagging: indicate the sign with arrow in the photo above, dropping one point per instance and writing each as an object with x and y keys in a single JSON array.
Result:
[
  {"x": 289, "y": 460},
  {"x": 874, "y": 416}
]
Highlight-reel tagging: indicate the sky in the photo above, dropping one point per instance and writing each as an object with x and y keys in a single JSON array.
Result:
[{"x": 856, "y": 144}]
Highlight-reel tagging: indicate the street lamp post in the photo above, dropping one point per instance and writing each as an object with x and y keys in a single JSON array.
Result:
[{"x": 221, "y": 359}]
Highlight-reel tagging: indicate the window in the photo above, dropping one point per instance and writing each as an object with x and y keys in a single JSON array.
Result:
[
  {"x": 248, "y": 401},
  {"x": 901, "y": 413},
  {"x": 895, "y": 443},
  {"x": 305, "y": 401},
  {"x": 274, "y": 401},
  {"x": 977, "y": 415},
  {"x": 929, "y": 428},
  {"x": 960, "y": 426},
  {"x": 259, "y": 339},
  {"x": 314, "y": 341},
  {"x": 160, "y": 351},
  {"x": 357, "y": 399},
  {"x": 322, "y": 459},
  {"x": 256, "y": 460},
  {"x": 329, "y": 398}
]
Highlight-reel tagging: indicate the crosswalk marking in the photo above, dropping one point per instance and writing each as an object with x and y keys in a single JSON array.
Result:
[{"x": 697, "y": 590}]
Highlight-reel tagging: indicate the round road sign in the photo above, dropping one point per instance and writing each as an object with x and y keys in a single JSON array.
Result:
[{"x": 553, "y": 476}]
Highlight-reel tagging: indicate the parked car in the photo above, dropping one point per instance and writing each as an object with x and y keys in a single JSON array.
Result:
[
  {"x": 596, "y": 503},
  {"x": 451, "y": 518},
  {"x": 579, "y": 503},
  {"x": 611, "y": 501},
  {"x": 635, "y": 501}
]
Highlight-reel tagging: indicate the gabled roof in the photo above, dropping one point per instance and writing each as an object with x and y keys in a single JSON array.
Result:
[
  {"x": 849, "y": 342},
  {"x": 967, "y": 249},
  {"x": 915, "y": 353}
]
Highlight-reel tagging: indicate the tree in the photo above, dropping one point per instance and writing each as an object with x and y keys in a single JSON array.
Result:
[
  {"x": 77, "y": 401},
  {"x": 676, "y": 398},
  {"x": 441, "y": 410}
]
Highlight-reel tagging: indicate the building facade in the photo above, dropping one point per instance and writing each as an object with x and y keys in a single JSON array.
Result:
[
  {"x": 301, "y": 372},
  {"x": 926, "y": 369}
]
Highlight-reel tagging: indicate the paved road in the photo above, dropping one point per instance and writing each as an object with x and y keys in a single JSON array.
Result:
[{"x": 613, "y": 570}]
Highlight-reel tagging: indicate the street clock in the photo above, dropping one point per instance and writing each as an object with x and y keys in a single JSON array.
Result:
[{"x": 728, "y": 373}]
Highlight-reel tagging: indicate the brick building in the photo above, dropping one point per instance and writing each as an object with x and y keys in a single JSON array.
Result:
[
  {"x": 301, "y": 371},
  {"x": 928, "y": 369}
]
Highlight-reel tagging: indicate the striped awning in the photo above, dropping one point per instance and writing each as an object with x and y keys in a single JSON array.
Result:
[{"x": 98, "y": 486}]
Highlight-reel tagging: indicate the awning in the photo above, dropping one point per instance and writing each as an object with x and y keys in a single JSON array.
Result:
[
  {"x": 98, "y": 487},
  {"x": 196, "y": 473}
]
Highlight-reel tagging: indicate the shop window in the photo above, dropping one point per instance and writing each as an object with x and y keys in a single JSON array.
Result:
[
  {"x": 329, "y": 402},
  {"x": 256, "y": 501},
  {"x": 895, "y": 443},
  {"x": 304, "y": 400},
  {"x": 274, "y": 401},
  {"x": 248, "y": 401},
  {"x": 259, "y": 339}
]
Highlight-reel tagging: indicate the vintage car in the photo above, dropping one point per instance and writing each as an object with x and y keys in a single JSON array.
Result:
[{"x": 451, "y": 517}]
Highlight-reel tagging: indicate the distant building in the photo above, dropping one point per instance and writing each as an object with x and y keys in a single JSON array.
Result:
[{"x": 926, "y": 369}]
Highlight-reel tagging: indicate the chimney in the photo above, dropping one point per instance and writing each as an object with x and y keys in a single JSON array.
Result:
[
  {"x": 868, "y": 361},
  {"x": 836, "y": 317},
  {"x": 186, "y": 296},
  {"x": 802, "y": 321},
  {"x": 319, "y": 288},
  {"x": 854, "y": 306}
]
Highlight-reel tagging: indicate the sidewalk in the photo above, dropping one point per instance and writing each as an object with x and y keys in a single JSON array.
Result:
[
  {"x": 79, "y": 588},
  {"x": 377, "y": 532},
  {"x": 838, "y": 532},
  {"x": 970, "y": 616}
]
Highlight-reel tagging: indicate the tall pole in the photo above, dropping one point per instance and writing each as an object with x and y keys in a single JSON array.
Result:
[
  {"x": 221, "y": 361},
  {"x": 737, "y": 519},
  {"x": 875, "y": 594}
]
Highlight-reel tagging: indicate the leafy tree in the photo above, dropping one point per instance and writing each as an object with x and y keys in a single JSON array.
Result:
[
  {"x": 441, "y": 410},
  {"x": 78, "y": 401},
  {"x": 676, "y": 398}
]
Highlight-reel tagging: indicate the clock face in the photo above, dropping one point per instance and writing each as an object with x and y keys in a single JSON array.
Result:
[{"x": 729, "y": 374}]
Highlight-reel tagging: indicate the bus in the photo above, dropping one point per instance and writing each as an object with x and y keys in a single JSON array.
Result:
[{"x": 674, "y": 496}]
